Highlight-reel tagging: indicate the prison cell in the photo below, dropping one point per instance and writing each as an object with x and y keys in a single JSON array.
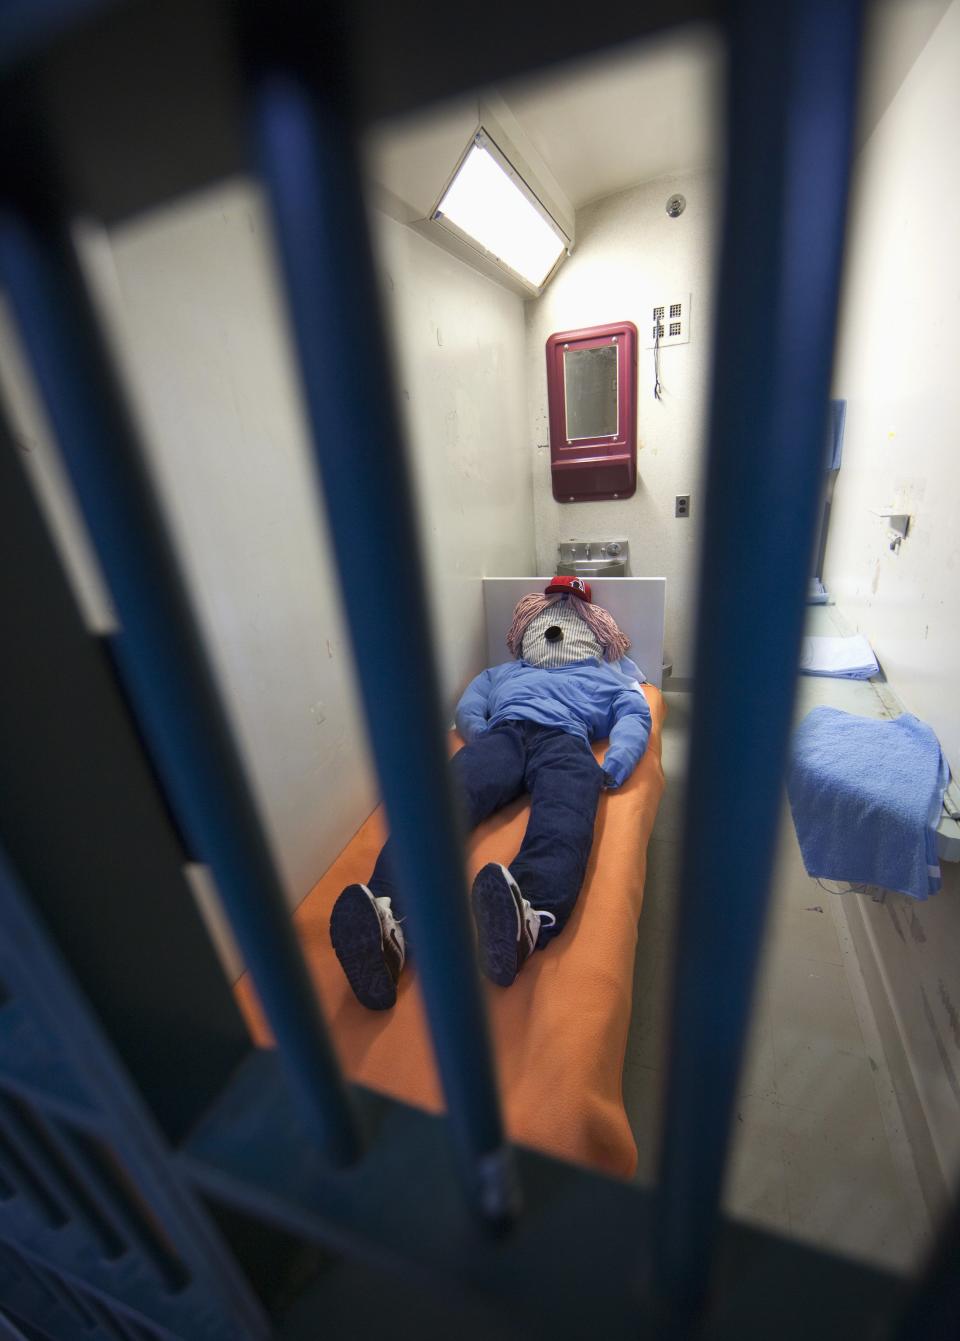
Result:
[{"x": 249, "y": 1193}]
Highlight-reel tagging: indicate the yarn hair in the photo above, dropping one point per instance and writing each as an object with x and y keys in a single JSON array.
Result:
[{"x": 601, "y": 623}]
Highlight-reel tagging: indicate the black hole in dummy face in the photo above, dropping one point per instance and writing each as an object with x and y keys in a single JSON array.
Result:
[{"x": 553, "y": 634}]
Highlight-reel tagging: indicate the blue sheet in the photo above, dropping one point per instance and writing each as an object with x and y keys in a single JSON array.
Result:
[{"x": 866, "y": 798}]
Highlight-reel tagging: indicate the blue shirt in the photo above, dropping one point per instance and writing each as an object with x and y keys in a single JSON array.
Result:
[{"x": 592, "y": 699}]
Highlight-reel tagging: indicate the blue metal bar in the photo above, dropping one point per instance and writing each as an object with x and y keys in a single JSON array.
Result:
[
  {"x": 38, "y": 1299},
  {"x": 30, "y": 1181},
  {"x": 112, "y": 1202},
  {"x": 105, "y": 1179},
  {"x": 107, "y": 1321},
  {"x": 25, "y": 1270},
  {"x": 9, "y": 1332},
  {"x": 29, "y": 1300},
  {"x": 75, "y": 1188},
  {"x": 50, "y": 1281},
  {"x": 29, "y": 1136},
  {"x": 309, "y": 162},
  {"x": 195, "y": 1266},
  {"x": 71, "y": 1296},
  {"x": 160, "y": 655},
  {"x": 933, "y": 1310},
  {"x": 792, "y": 95}
]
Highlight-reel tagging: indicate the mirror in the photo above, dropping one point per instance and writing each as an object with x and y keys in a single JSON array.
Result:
[{"x": 590, "y": 392}]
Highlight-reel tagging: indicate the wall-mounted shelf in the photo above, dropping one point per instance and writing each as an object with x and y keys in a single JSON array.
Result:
[{"x": 948, "y": 830}]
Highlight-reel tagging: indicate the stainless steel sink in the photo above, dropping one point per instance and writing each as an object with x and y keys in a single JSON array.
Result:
[
  {"x": 593, "y": 568},
  {"x": 594, "y": 558}
]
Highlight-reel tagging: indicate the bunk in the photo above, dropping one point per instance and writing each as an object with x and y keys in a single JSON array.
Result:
[{"x": 560, "y": 1032}]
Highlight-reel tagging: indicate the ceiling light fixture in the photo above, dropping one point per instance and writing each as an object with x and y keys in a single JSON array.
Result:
[{"x": 489, "y": 203}]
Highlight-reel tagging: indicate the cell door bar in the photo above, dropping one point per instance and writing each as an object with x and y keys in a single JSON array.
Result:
[
  {"x": 157, "y": 649},
  {"x": 306, "y": 150},
  {"x": 933, "y": 1310},
  {"x": 792, "y": 95}
]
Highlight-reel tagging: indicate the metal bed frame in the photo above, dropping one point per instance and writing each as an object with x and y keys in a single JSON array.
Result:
[{"x": 160, "y": 1177}]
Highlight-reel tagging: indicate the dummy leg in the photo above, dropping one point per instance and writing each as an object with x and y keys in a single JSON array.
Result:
[
  {"x": 523, "y": 908},
  {"x": 366, "y": 925},
  {"x": 488, "y": 775},
  {"x": 564, "y": 781}
]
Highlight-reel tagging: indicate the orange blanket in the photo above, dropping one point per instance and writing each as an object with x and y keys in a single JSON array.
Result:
[{"x": 561, "y": 1030}]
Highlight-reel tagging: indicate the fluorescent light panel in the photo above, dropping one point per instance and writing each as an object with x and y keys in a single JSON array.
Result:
[{"x": 484, "y": 202}]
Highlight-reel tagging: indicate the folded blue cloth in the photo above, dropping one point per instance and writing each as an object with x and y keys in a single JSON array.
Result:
[
  {"x": 839, "y": 658},
  {"x": 866, "y": 797},
  {"x": 836, "y": 421},
  {"x": 816, "y": 592}
]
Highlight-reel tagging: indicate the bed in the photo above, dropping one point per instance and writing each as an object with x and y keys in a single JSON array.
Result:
[{"x": 560, "y": 1031}]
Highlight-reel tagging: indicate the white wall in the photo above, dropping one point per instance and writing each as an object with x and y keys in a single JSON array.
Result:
[
  {"x": 898, "y": 358},
  {"x": 192, "y": 307},
  {"x": 196, "y": 321},
  {"x": 218, "y": 395},
  {"x": 899, "y": 349},
  {"x": 41, "y": 461},
  {"x": 459, "y": 349},
  {"x": 629, "y": 253}
]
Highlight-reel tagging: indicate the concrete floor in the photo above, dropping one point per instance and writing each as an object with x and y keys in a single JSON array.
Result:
[{"x": 819, "y": 1150}]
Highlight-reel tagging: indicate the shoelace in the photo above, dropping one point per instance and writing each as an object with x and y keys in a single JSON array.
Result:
[
  {"x": 390, "y": 922},
  {"x": 541, "y": 915}
]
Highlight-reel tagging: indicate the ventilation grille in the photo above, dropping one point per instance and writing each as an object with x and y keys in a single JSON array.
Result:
[{"x": 669, "y": 322}]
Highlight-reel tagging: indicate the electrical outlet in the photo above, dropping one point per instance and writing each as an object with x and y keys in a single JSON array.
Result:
[
  {"x": 668, "y": 323},
  {"x": 682, "y": 505}
]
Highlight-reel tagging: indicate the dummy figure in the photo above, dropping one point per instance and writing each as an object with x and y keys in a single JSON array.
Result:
[{"x": 527, "y": 726}]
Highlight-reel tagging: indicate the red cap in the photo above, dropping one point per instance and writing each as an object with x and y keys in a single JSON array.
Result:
[{"x": 570, "y": 586}]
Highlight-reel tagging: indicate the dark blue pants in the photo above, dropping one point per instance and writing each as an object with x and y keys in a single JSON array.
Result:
[{"x": 564, "y": 781}]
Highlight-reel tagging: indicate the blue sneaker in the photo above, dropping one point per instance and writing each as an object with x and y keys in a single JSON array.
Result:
[
  {"x": 369, "y": 944},
  {"x": 507, "y": 927}
]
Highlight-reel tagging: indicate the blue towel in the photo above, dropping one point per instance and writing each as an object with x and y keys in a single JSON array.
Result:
[{"x": 866, "y": 797}]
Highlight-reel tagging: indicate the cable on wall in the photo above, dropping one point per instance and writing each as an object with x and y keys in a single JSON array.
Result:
[{"x": 657, "y": 388}]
